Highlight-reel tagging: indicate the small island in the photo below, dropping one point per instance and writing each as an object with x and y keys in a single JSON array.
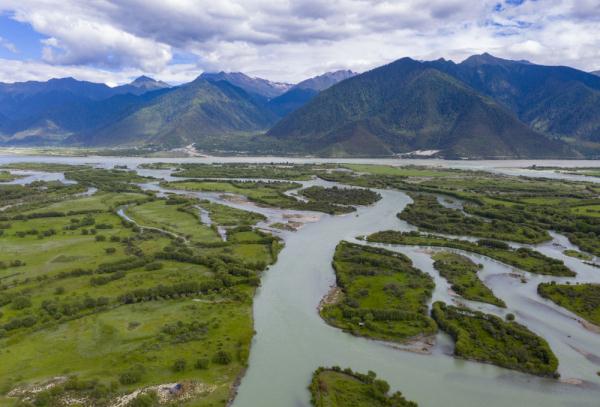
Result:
[
  {"x": 379, "y": 295},
  {"x": 487, "y": 338},
  {"x": 581, "y": 299},
  {"x": 335, "y": 387},
  {"x": 461, "y": 273}
]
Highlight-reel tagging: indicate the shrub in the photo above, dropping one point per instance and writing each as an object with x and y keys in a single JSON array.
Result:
[
  {"x": 179, "y": 365},
  {"x": 201, "y": 364},
  {"x": 20, "y": 303},
  {"x": 222, "y": 358},
  {"x": 132, "y": 376}
]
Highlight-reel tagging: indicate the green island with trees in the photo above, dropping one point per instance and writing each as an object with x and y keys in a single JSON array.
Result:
[
  {"x": 581, "y": 299},
  {"x": 461, "y": 273},
  {"x": 487, "y": 338},
  {"x": 426, "y": 212},
  {"x": 334, "y": 387},
  {"x": 382, "y": 295},
  {"x": 523, "y": 258}
]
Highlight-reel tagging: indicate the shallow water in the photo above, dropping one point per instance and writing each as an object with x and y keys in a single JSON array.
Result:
[{"x": 292, "y": 340}]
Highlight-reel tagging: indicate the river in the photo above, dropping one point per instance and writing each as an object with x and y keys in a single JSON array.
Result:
[{"x": 291, "y": 339}]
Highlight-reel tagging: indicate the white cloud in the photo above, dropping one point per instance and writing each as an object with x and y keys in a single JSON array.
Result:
[
  {"x": 291, "y": 39},
  {"x": 4, "y": 43}
]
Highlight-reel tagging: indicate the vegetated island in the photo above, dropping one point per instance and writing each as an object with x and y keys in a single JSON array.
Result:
[
  {"x": 487, "y": 338},
  {"x": 581, "y": 299},
  {"x": 461, "y": 273},
  {"x": 426, "y": 212},
  {"x": 333, "y": 201},
  {"x": 334, "y": 387},
  {"x": 522, "y": 258},
  {"x": 379, "y": 295}
]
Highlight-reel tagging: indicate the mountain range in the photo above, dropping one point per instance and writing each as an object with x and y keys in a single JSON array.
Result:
[{"x": 482, "y": 107}]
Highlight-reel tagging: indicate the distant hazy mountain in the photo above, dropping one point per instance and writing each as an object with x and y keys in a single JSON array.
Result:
[
  {"x": 190, "y": 113},
  {"x": 482, "y": 107},
  {"x": 325, "y": 80},
  {"x": 597, "y": 73},
  {"x": 554, "y": 100},
  {"x": 303, "y": 92},
  {"x": 49, "y": 112},
  {"x": 254, "y": 86},
  {"x": 141, "y": 85},
  {"x": 406, "y": 106}
]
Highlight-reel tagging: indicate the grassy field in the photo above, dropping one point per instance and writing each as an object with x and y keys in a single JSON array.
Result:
[
  {"x": 344, "y": 388},
  {"x": 581, "y": 299},
  {"x": 487, "y": 338},
  {"x": 461, "y": 273},
  {"x": 382, "y": 295},
  {"x": 94, "y": 307},
  {"x": 523, "y": 258},
  {"x": 162, "y": 215}
]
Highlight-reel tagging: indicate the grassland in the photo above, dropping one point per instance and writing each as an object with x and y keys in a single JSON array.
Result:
[
  {"x": 93, "y": 307},
  {"x": 382, "y": 295},
  {"x": 461, "y": 273},
  {"x": 487, "y": 338},
  {"x": 581, "y": 299},
  {"x": 523, "y": 258},
  {"x": 335, "y": 387}
]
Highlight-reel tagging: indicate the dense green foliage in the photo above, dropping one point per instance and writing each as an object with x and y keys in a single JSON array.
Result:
[
  {"x": 487, "y": 338},
  {"x": 582, "y": 299},
  {"x": 383, "y": 295},
  {"x": 461, "y": 273},
  {"x": 335, "y": 387},
  {"x": 427, "y": 213},
  {"x": 523, "y": 258},
  {"x": 341, "y": 196}
]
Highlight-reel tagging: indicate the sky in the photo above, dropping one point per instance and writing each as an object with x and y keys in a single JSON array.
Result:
[{"x": 114, "y": 41}]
